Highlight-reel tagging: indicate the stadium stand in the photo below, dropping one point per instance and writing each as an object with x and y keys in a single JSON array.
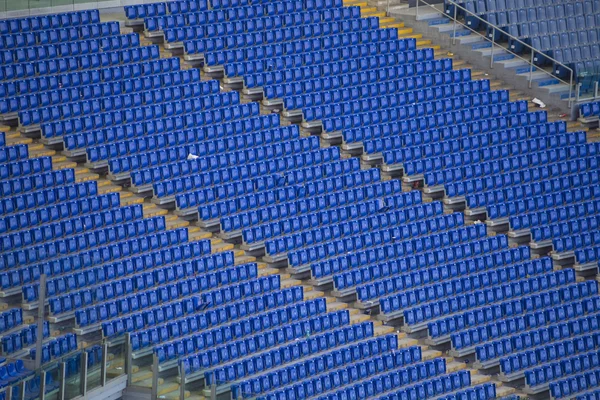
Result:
[{"x": 365, "y": 218}]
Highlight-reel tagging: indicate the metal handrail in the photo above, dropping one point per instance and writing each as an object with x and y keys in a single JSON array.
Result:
[{"x": 493, "y": 41}]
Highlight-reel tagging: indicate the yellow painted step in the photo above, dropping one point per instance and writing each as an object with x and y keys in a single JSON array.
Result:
[
  {"x": 431, "y": 354},
  {"x": 405, "y": 342},
  {"x": 405, "y": 31},
  {"x": 18, "y": 140},
  {"x": 152, "y": 210},
  {"x": 422, "y": 42},
  {"x": 372, "y": 14},
  {"x": 312, "y": 294},
  {"x": 366, "y": 10},
  {"x": 477, "y": 379},
  {"x": 221, "y": 247},
  {"x": 386, "y": 20},
  {"x": 383, "y": 330},
  {"x": 397, "y": 25},
  {"x": 198, "y": 235},
  {"x": 4, "y": 128},
  {"x": 354, "y": 3}
]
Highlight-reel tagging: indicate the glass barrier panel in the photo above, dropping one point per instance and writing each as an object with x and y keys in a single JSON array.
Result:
[
  {"x": 115, "y": 360},
  {"x": 73, "y": 376},
  {"x": 53, "y": 379},
  {"x": 94, "y": 366}
]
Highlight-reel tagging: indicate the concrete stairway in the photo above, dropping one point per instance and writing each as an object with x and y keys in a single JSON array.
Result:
[{"x": 497, "y": 61}]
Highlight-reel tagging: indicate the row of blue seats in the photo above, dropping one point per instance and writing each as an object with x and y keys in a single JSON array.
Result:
[
  {"x": 10, "y": 154},
  {"x": 518, "y": 178},
  {"x": 326, "y": 231},
  {"x": 352, "y": 203},
  {"x": 557, "y": 307},
  {"x": 67, "y": 280},
  {"x": 336, "y": 186},
  {"x": 416, "y": 145},
  {"x": 427, "y": 312},
  {"x": 242, "y": 68},
  {"x": 469, "y": 164},
  {"x": 229, "y": 108},
  {"x": 139, "y": 11},
  {"x": 525, "y": 191},
  {"x": 365, "y": 32},
  {"x": 52, "y": 21},
  {"x": 306, "y": 207},
  {"x": 13, "y": 372},
  {"x": 591, "y": 109},
  {"x": 86, "y": 83},
  {"x": 573, "y": 386},
  {"x": 256, "y": 192},
  {"x": 378, "y": 272},
  {"x": 11, "y": 319},
  {"x": 170, "y": 292},
  {"x": 225, "y": 208},
  {"x": 253, "y": 315},
  {"x": 524, "y": 341},
  {"x": 411, "y": 111},
  {"x": 220, "y": 315},
  {"x": 47, "y": 197},
  {"x": 570, "y": 228},
  {"x": 206, "y": 146},
  {"x": 222, "y": 29},
  {"x": 438, "y": 121},
  {"x": 485, "y": 391},
  {"x": 46, "y": 213},
  {"x": 128, "y": 134},
  {"x": 371, "y": 379},
  {"x": 497, "y": 330},
  {"x": 406, "y": 295},
  {"x": 302, "y": 347},
  {"x": 77, "y": 63},
  {"x": 79, "y": 224},
  {"x": 16, "y": 186},
  {"x": 479, "y": 144},
  {"x": 388, "y": 131},
  {"x": 149, "y": 283},
  {"x": 61, "y": 35},
  {"x": 182, "y": 168},
  {"x": 558, "y": 214},
  {"x": 136, "y": 274},
  {"x": 237, "y": 13},
  {"x": 581, "y": 40},
  {"x": 25, "y": 167},
  {"x": 218, "y": 161},
  {"x": 429, "y": 382},
  {"x": 50, "y": 51},
  {"x": 467, "y": 240},
  {"x": 348, "y": 197},
  {"x": 316, "y": 164},
  {"x": 24, "y": 338},
  {"x": 370, "y": 77},
  {"x": 539, "y": 203},
  {"x": 56, "y": 348},
  {"x": 504, "y": 18},
  {"x": 389, "y": 252},
  {"x": 331, "y": 68},
  {"x": 113, "y": 103},
  {"x": 225, "y": 346},
  {"x": 78, "y": 241},
  {"x": 553, "y": 351},
  {"x": 332, "y": 362},
  {"x": 406, "y": 99},
  {"x": 305, "y": 45},
  {"x": 45, "y": 253},
  {"x": 409, "y": 290},
  {"x": 161, "y": 310},
  {"x": 376, "y": 374},
  {"x": 194, "y": 333}
]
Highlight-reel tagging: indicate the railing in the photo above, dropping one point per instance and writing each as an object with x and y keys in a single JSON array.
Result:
[
  {"x": 69, "y": 377},
  {"x": 495, "y": 44}
]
